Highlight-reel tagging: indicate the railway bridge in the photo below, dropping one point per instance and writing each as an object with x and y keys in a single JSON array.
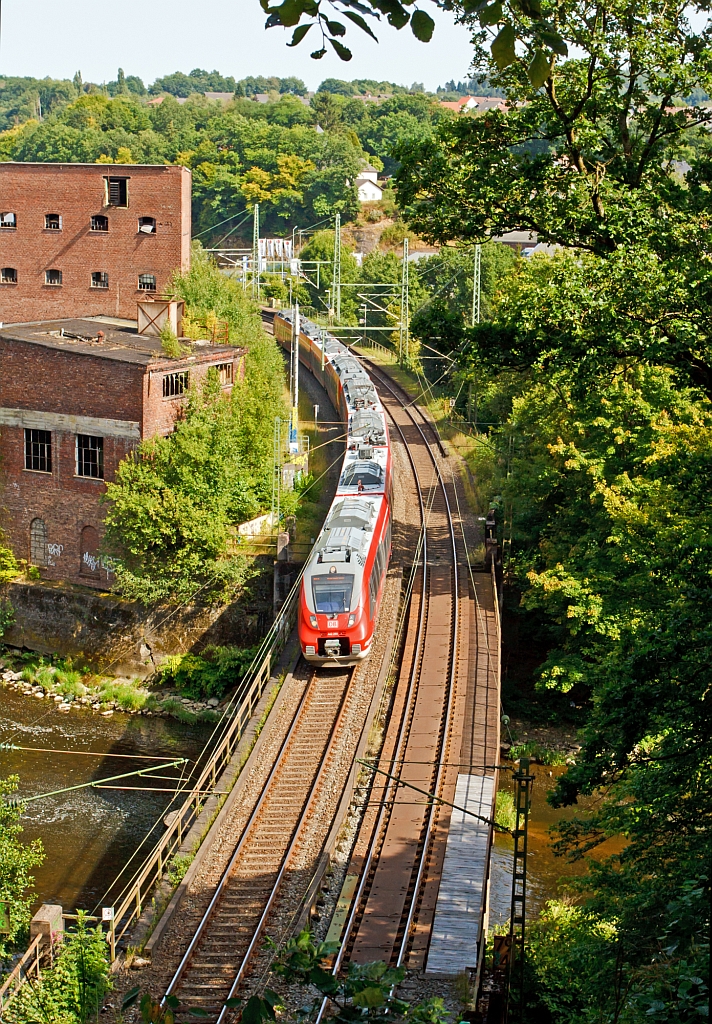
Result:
[{"x": 376, "y": 783}]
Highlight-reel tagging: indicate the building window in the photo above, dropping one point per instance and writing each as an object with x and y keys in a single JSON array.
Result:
[
  {"x": 38, "y": 450},
  {"x": 100, "y": 223},
  {"x": 8, "y": 220},
  {"x": 8, "y": 275},
  {"x": 53, "y": 277},
  {"x": 38, "y": 542},
  {"x": 90, "y": 456},
  {"x": 89, "y": 545},
  {"x": 146, "y": 282},
  {"x": 224, "y": 372},
  {"x": 99, "y": 279},
  {"x": 117, "y": 191},
  {"x": 175, "y": 384},
  {"x": 147, "y": 225},
  {"x": 53, "y": 222}
]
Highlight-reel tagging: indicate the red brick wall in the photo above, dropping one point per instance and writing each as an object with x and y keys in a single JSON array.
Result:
[
  {"x": 75, "y": 192},
  {"x": 65, "y": 502},
  {"x": 40, "y": 378},
  {"x": 55, "y": 380}
]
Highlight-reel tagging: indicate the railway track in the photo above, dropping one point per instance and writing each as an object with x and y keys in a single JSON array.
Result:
[
  {"x": 219, "y": 954},
  {"x": 389, "y": 919}
]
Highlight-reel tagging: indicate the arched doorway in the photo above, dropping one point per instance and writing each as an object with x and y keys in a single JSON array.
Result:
[
  {"x": 38, "y": 542},
  {"x": 89, "y": 551}
]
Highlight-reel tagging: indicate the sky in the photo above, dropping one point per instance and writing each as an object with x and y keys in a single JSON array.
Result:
[{"x": 150, "y": 38}]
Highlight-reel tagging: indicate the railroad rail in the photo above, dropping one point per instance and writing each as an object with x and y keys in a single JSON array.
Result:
[
  {"x": 218, "y": 957},
  {"x": 388, "y": 900}
]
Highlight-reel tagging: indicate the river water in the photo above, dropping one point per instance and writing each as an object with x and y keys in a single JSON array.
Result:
[
  {"x": 90, "y": 834},
  {"x": 545, "y": 871}
]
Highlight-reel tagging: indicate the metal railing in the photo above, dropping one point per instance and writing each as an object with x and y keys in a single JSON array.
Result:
[{"x": 137, "y": 893}]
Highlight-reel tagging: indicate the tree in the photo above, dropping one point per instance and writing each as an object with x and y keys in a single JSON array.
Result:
[
  {"x": 172, "y": 507},
  {"x": 16, "y": 862}
]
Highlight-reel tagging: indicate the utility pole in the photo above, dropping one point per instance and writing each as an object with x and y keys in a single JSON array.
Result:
[
  {"x": 336, "y": 283},
  {"x": 294, "y": 426},
  {"x": 277, "y": 472},
  {"x": 404, "y": 335},
  {"x": 522, "y": 797},
  {"x": 476, "y": 285},
  {"x": 256, "y": 254}
]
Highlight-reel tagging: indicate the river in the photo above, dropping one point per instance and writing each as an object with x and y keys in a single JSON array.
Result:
[
  {"x": 545, "y": 871},
  {"x": 90, "y": 834}
]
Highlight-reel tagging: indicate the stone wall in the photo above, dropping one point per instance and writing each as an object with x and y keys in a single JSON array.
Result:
[{"x": 124, "y": 638}]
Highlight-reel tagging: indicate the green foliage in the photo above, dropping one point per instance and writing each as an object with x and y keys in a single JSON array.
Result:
[
  {"x": 16, "y": 862},
  {"x": 505, "y": 814},
  {"x": 72, "y": 989},
  {"x": 361, "y": 992},
  {"x": 579, "y": 965},
  {"x": 169, "y": 342},
  {"x": 174, "y": 503},
  {"x": 9, "y": 570},
  {"x": 212, "y": 674}
]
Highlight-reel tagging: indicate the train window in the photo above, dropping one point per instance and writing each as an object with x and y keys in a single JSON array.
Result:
[
  {"x": 332, "y": 593},
  {"x": 369, "y": 473}
]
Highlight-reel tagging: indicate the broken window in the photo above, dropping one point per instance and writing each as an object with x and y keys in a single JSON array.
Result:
[
  {"x": 8, "y": 220},
  {"x": 53, "y": 276},
  {"x": 38, "y": 542},
  {"x": 117, "y": 191},
  {"x": 99, "y": 279},
  {"x": 8, "y": 275},
  {"x": 100, "y": 223},
  {"x": 90, "y": 456},
  {"x": 224, "y": 372},
  {"x": 147, "y": 225},
  {"x": 53, "y": 222},
  {"x": 147, "y": 282},
  {"x": 38, "y": 450},
  {"x": 175, "y": 384}
]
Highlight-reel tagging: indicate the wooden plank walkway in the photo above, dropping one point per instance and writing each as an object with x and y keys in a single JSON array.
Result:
[{"x": 463, "y": 886}]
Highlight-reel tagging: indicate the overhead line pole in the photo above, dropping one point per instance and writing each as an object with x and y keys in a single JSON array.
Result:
[
  {"x": 336, "y": 283},
  {"x": 404, "y": 334},
  {"x": 256, "y": 253}
]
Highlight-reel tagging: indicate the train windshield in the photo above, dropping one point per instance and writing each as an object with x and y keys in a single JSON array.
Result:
[
  {"x": 369, "y": 473},
  {"x": 332, "y": 593}
]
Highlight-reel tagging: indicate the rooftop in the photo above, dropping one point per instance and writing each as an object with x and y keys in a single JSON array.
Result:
[{"x": 108, "y": 338}]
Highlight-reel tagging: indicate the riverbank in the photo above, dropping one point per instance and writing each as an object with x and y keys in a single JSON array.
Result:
[{"x": 59, "y": 681}]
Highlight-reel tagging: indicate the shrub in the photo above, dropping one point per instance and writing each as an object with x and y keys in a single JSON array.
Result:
[
  {"x": 211, "y": 675},
  {"x": 16, "y": 861},
  {"x": 72, "y": 990}
]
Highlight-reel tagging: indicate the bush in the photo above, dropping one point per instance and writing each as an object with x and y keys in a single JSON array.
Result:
[
  {"x": 210, "y": 676},
  {"x": 16, "y": 861},
  {"x": 72, "y": 990}
]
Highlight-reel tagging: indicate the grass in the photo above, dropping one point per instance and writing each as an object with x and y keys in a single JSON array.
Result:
[
  {"x": 129, "y": 696},
  {"x": 538, "y": 752},
  {"x": 504, "y": 813}
]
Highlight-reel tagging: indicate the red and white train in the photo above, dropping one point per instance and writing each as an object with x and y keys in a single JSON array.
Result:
[{"x": 342, "y": 585}]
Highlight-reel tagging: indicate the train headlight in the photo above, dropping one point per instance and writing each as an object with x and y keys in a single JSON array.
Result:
[
  {"x": 352, "y": 619},
  {"x": 312, "y": 621}
]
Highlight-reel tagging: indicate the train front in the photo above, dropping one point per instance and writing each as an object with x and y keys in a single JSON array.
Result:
[{"x": 335, "y": 624}]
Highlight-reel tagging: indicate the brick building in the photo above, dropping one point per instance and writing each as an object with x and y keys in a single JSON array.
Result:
[
  {"x": 89, "y": 238},
  {"x": 75, "y": 397}
]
